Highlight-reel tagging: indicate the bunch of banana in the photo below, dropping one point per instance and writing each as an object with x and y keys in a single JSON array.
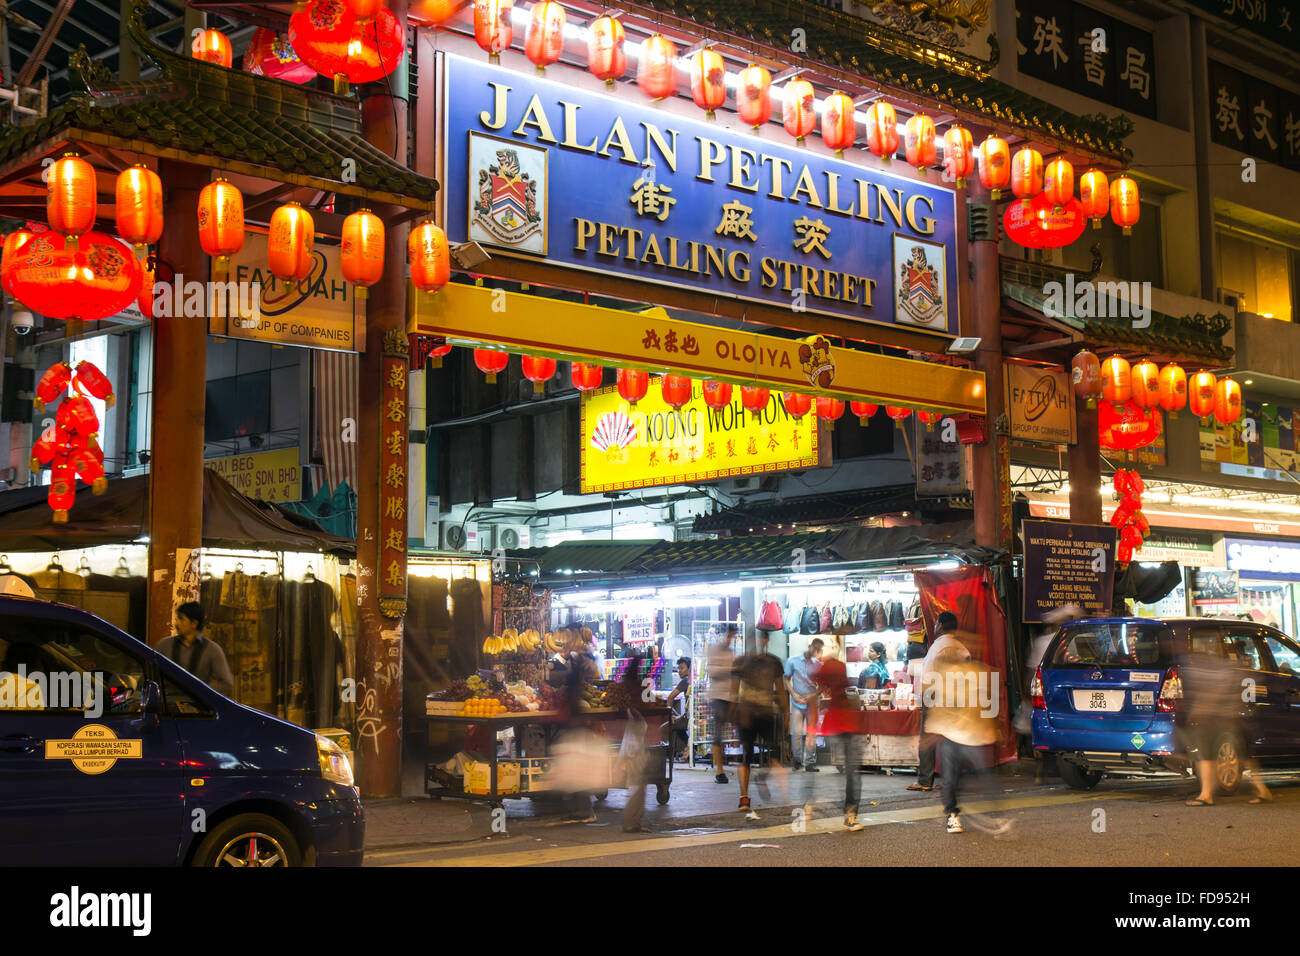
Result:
[
  {"x": 530, "y": 640},
  {"x": 556, "y": 641},
  {"x": 491, "y": 645}
]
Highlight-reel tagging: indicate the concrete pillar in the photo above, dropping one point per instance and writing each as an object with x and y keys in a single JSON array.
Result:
[
  {"x": 180, "y": 356},
  {"x": 991, "y": 460},
  {"x": 379, "y": 638}
]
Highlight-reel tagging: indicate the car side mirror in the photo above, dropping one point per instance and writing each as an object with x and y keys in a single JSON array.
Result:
[{"x": 150, "y": 706}]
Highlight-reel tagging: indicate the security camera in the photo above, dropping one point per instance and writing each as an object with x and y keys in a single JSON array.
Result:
[{"x": 22, "y": 321}]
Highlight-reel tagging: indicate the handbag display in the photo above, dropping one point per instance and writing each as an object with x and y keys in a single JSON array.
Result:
[
  {"x": 769, "y": 618},
  {"x": 895, "y": 615},
  {"x": 790, "y": 618},
  {"x": 842, "y": 619},
  {"x": 862, "y": 618},
  {"x": 879, "y": 618},
  {"x": 825, "y": 619},
  {"x": 809, "y": 621}
]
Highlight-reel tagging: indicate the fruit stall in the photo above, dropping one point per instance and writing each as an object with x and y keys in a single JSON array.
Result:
[{"x": 485, "y": 707}]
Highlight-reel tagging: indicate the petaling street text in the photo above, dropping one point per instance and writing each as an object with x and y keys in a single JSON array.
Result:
[{"x": 707, "y": 260}]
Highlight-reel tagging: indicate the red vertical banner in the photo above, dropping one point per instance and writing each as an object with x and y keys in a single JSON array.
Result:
[
  {"x": 1006, "y": 528},
  {"x": 968, "y": 592},
  {"x": 392, "y": 475}
]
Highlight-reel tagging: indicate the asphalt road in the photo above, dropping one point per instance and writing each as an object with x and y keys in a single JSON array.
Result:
[{"x": 1121, "y": 823}]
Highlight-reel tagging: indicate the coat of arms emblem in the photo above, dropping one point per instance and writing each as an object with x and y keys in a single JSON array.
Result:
[
  {"x": 505, "y": 205},
  {"x": 920, "y": 289}
]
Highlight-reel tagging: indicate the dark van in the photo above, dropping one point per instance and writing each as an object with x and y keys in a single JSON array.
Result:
[{"x": 110, "y": 754}]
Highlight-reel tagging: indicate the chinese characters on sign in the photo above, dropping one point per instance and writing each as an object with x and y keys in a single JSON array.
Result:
[
  {"x": 392, "y": 476},
  {"x": 1101, "y": 57},
  {"x": 1253, "y": 116}
]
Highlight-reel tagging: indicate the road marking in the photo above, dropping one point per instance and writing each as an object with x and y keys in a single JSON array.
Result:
[{"x": 831, "y": 823}]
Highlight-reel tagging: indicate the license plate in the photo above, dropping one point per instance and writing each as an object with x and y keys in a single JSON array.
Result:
[{"x": 1105, "y": 701}]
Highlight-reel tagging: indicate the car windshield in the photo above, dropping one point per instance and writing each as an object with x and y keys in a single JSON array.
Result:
[{"x": 1113, "y": 644}]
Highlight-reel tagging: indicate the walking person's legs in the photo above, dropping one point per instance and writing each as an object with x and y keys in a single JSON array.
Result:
[
  {"x": 953, "y": 757},
  {"x": 720, "y": 710},
  {"x": 851, "y": 746},
  {"x": 798, "y": 719}
]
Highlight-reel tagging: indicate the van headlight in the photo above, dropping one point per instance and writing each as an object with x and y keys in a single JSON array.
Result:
[{"x": 334, "y": 765}]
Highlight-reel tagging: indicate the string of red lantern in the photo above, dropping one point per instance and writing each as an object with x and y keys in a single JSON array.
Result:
[{"x": 68, "y": 445}]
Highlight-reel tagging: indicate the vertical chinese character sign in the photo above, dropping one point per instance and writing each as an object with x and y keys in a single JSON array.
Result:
[{"x": 392, "y": 476}]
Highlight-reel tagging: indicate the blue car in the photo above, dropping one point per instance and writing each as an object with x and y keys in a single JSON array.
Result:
[
  {"x": 110, "y": 754},
  {"x": 1107, "y": 695}
]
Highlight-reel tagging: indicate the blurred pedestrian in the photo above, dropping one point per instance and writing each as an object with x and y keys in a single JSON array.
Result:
[
  {"x": 761, "y": 705},
  {"x": 722, "y": 694},
  {"x": 840, "y": 722},
  {"x": 945, "y": 643},
  {"x": 633, "y": 750},
  {"x": 1210, "y": 716},
  {"x": 962, "y": 699},
  {"x": 681, "y": 710},
  {"x": 802, "y": 691}
]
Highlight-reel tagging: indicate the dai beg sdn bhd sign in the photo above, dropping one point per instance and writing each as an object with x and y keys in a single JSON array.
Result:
[{"x": 618, "y": 185}]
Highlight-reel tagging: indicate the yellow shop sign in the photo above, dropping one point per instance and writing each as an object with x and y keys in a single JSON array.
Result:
[
  {"x": 654, "y": 444},
  {"x": 265, "y": 475}
]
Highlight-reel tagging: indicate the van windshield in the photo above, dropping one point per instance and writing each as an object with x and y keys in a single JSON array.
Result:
[{"x": 1113, "y": 644}]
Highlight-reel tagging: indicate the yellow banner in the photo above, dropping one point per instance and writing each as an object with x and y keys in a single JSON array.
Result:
[
  {"x": 473, "y": 315},
  {"x": 266, "y": 475},
  {"x": 653, "y": 444}
]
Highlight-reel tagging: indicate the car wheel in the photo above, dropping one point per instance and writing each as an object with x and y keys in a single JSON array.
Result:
[
  {"x": 250, "y": 839},
  {"x": 1227, "y": 764},
  {"x": 1076, "y": 778}
]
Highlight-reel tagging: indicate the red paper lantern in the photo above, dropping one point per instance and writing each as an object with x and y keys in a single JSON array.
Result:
[
  {"x": 586, "y": 377},
  {"x": 716, "y": 394},
  {"x": 958, "y": 154},
  {"x": 657, "y": 72},
  {"x": 1027, "y": 173},
  {"x": 63, "y": 490},
  {"x": 139, "y": 207},
  {"x": 930, "y": 419},
  {"x": 1116, "y": 380},
  {"x": 77, "y": 415},
  {"x": 9, "y": 257},
  {"x": 1201, "y": 392},
  {"x": 919, "y": 142},
  {"x": 88, "y": 463},
  {"x": 1124, "y": 203},
  {"x": 1130, "y": 537},
  {"x": 755, "y": 399},
  {"x": 798, "y": 114},
  {"x": 754, "y": 95},
  {"x": 633, "y": 384},
  {"x": 1173, "y": 389},
  {"x": 605, "y": 56},
  {"x": 1146, "y": 384},
  {"x": 1037, "y": 224},
  {"x": 544, "y": 41},
  {"x": 335, "y": 43},
  {"x": 1126, "y": 426},
  {"x": 221, "y": 224},
  {"x": 212, "y": 46},
  {"x": 490, "y": 362},
  {"x": 1227, "y": 401},
  {"x": 1058, "y": 182},
  {"x": 796, "y": 404},
  {"x": 676, "y": 390},
  {"x": 270, "y": 54},
  {"x": 53, "y": 440},
  {"x": 361, "y": 254},
  {"x": 882, "y": 129},
  {"x": 52, "y": 384},
  {"x": 1094, "y": 196},
  {"x": 539, "y": 371},
  {"x": 436, "y": 11},
  {"x": 492, "y": 27},
  {"x": 437, "y": 353},
  {"x": 897, "y": 414},
  {"x": 708, "y": 80},
  {"x": 1086, "y": 376},
  {"x": 995, "y": 165},
  {"x": 71, "y": 203},
  {"x": 430, "y": 259},
  {"x": 289, "y": 243},
  {"x": 839, "y": 124},
  {"x": 90, "y": 379},
  {"x": 829, "y": 409},
  {"x": 97, "y": 281},
  {"x": 364, "y": 10},
  {"x": 864, "y": 411}
]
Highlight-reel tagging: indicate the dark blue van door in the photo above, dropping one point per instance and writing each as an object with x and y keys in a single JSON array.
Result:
[{"x": 83, "y": 778}]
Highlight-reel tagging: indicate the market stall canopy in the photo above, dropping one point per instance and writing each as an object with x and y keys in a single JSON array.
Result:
[
  {"x": 954, "y": 539},
  {"x": 121, "y": 515}
]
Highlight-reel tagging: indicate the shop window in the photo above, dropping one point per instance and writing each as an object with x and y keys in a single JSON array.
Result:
[
  {"x": 1286, "y": 658},
  {"x": 1135, "y": 258},
  {"x": 1259, "y": 274},
  {"x": 54, "y": 667},
  {"x": 237, "y": 406}
]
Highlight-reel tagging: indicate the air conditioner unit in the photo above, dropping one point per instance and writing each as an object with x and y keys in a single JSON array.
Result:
[
  {"x": 1231, "y": 297},
  {"x": 510, "y": 537},
  {"x": 744, "y": 486},
  {"x": 458, "y": 537}
]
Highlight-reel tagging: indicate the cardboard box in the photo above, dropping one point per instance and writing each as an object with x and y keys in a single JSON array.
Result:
[{"x": 478, "y": 778}]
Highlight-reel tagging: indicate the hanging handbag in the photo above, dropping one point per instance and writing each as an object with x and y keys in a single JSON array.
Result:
[
  {"x": 809, "y": 621},
  {"x": 895, "y": 615},
  {"x": 790, "y": 618},
  {"x": 769, "y": 618},
  {"x": 878, "y": 617},
  {"x": 824, "y": 623},
  {"x": 862, "y": 618},
  {"x": 841, "y": 619}
]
